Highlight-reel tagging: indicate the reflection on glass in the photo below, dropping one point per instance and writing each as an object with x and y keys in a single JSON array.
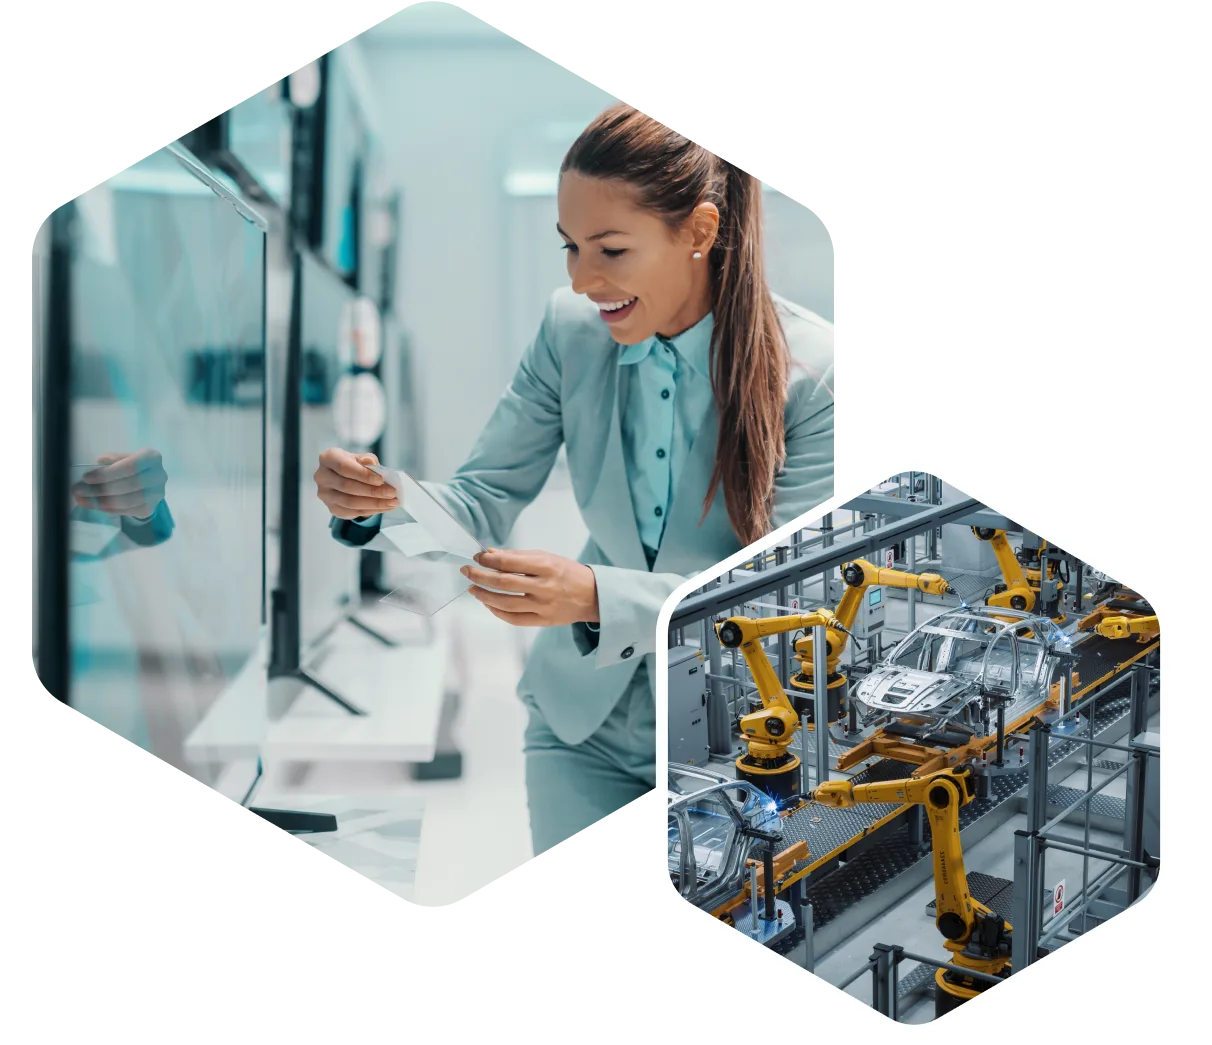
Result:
[
  {"x": 258, "y": 132},
  {"x": 344, "y": 146},
  {"x": 167, "y": 346},
  {"x": 327, "y": 570}
]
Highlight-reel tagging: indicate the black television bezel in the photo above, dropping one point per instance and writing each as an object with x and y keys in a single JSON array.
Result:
[
  {"x": 309, "y": 154},
  {"x": 288, "y": 651},
  {"x": 53, "y": 430}
]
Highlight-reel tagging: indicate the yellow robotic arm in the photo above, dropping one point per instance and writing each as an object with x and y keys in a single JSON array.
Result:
[
  {"x": 1122, "y": 627},
  {"x": 1018, "y": 595},
  {"x": 858, "y": 576},
  {"x": 768, "y": 764},
  {"x": 977, "y": 937},
  {"x": 1021, "y": 585}
]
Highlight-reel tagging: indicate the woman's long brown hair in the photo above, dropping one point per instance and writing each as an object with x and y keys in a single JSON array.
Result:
[{"x": 749, "y": 358}]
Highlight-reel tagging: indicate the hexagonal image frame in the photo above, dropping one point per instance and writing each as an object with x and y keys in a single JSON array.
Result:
[{"x": 987, "y": 787}]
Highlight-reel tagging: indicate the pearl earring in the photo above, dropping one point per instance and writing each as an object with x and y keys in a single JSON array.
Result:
[{"x": 696, "y": 255}]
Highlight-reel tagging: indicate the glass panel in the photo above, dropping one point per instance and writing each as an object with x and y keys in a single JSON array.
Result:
[
  {"x": 166, "y": 292},
  {"x": 258, "y": 131}
]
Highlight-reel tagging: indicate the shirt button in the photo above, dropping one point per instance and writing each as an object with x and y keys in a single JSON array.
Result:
[
  {"x": 664, "y": 393},
  {"x": 658, "y": 512},
  {"x": 661, "y": 454},
  {"x": 627, "y": 652}
]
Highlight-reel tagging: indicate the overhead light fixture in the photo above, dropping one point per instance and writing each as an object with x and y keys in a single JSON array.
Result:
[
  {"x": 532, "y": 183},
  {"x": 303, "y": 86}
]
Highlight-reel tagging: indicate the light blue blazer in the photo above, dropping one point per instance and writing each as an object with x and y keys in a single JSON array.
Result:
[{"x": 565, "y": 392}]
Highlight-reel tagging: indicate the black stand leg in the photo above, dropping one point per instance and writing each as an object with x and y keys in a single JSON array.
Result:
[
  {"x": 296, "y": 822},
  {"x": 378, "y": 636},
  {"x": 447, "y": 761},
  {"x": 320, "y": 687}
]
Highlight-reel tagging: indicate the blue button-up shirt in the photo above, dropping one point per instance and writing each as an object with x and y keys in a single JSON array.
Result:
[{"x": 665, "y": 390}]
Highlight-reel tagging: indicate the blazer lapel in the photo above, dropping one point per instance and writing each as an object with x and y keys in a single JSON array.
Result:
[{"x": 619, "y": 537}]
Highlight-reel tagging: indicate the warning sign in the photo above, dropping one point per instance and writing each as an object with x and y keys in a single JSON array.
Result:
[
  {"x": 795, "y": 604},
  {"x": 1058, "y": 897},
  {"x": 890, "y": 559}
]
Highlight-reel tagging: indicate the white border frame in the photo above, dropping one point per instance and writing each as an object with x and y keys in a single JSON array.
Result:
[{"x": 992, "y": 998}]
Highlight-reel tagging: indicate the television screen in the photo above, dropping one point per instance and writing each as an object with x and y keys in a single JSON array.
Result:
[
  {"x": 165, "y": 304},
  {"x": 327, "y": 570},
  {"x": 344, "y": 168},
  {"x": 377, "y": 230}
]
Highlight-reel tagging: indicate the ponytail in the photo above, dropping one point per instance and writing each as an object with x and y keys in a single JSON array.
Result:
[{"x": 749, "y": 363}]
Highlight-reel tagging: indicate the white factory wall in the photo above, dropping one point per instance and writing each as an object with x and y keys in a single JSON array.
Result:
[{"x": 450, "y": 111}]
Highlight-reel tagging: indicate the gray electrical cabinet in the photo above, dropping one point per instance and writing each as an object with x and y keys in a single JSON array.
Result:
[
  {"x": 688, "y": 706},
  {"x": 870, "y": 618}
]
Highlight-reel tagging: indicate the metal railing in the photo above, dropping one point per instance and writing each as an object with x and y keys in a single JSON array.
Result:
[
  {"x": 884, "y": 966},
  {"x": 1128, "y": 863}
]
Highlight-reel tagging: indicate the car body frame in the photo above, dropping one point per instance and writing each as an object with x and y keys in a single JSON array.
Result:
[
  {"x": 951, "y": 674},
  {"x": 709, "y": 820}
]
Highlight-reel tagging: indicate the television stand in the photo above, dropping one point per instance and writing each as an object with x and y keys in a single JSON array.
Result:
[{"x": 295, "y": 821}]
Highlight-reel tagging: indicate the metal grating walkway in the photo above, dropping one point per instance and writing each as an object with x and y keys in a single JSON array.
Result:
[
  {"x": 995, "y": 893},
  {"x": 920, "y": 979}
]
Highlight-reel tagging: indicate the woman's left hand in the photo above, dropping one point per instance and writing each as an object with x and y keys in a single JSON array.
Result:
[{"x": 554, "y": 590}]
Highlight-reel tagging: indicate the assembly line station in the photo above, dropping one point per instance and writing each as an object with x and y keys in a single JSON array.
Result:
[{"x": 840, "y": 869}]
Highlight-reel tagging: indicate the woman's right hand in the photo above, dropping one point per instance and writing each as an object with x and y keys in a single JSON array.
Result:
[{"x": 349, "y": 489}]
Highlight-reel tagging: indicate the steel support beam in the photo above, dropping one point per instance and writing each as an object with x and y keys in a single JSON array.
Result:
[
  {"x": 748, "y": 588},
  {"x": 879, "y": 504}
]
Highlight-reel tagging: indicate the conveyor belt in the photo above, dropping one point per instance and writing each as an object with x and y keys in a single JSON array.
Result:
[
  {"x": 891, "y": 852},
  {"x": 827, "y": 831},
  {"x": 1098, "y": 658},
  {"x": 1100, "y": 805},
  {"x": 988, "y": 889}
]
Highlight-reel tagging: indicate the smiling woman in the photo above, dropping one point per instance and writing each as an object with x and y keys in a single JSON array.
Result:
[{"x": 696, "y": 412}]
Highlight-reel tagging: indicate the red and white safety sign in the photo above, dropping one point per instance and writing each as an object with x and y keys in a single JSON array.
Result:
[
  {"x": 1058, "y": 897},
  {"x": 891, "y": 560}
]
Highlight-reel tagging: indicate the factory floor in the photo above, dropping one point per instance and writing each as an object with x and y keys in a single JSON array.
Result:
[{"x": 908, "y": 923}]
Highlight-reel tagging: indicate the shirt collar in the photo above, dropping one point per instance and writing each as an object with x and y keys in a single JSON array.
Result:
[{"x": 693, "y": 345}]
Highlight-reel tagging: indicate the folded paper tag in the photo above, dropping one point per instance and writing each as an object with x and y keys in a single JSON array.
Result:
[
  {"x": 436, "y": 520},
  {"x": 434, "y": 549}
]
